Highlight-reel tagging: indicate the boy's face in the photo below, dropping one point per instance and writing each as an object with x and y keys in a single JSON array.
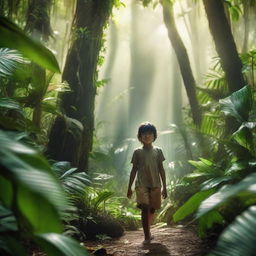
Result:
[{"x": 147, "y": 138}]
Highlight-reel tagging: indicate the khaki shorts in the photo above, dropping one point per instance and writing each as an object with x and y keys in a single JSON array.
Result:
[{"x": 149, "y": 197}]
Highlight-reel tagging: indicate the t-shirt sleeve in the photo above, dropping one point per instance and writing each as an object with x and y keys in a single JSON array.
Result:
[
  {"x": 134, "y": 158},
  {"x": 161, "y": 157}
]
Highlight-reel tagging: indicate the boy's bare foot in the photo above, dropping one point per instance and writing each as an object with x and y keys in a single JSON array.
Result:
[{"x": 146, "y": 241}]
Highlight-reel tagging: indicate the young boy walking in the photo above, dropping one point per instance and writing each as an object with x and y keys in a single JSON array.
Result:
[{"x": 148, "y": 165}]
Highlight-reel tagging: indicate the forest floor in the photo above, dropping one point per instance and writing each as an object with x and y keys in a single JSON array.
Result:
[{"x": 168, "y": 241}]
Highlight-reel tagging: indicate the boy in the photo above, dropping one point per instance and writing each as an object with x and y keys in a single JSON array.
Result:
[{"x": 148, "y": 165}]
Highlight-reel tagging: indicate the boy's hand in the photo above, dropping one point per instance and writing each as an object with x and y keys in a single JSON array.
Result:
[
  {"x": 129, "y": 193},
  {"x": 164, "y": 193}
]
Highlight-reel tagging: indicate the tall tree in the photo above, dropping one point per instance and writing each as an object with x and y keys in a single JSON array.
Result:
[
  {"x": 80, "y": 72},
  {"x": 225, "y": 44},
  {"x": 182, "y": 58}
]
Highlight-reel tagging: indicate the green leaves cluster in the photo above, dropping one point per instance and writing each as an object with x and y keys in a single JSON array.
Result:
[
  {"x": 32, "y": 201},
  {"x": 227, "y": 180}
]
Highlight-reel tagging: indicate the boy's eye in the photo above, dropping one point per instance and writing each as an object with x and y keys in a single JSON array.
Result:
[{"x": 147, "y": 134}]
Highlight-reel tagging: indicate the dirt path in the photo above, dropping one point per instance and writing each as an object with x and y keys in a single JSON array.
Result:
[{"x": 168, "y": 241}]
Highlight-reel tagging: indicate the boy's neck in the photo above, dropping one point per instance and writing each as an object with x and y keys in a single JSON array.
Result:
[{"x": 148, "y": 146}]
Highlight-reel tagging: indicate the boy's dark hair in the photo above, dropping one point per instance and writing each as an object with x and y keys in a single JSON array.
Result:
[{"x": 147, "y": 127}]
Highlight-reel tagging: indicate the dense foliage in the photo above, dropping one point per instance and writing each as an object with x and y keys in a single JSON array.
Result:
[
  {"x": 32, "y": 199},
  {"x": 45, "y": 202}
]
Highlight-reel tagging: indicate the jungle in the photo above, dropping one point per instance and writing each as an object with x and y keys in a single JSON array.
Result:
[{"x": 78, "y": 77}]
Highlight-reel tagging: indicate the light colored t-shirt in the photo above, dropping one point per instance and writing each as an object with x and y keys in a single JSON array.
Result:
[{"x": 147, "y": 162}]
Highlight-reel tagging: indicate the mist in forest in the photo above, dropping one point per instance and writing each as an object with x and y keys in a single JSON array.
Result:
[{"x": 143, "y": 78}]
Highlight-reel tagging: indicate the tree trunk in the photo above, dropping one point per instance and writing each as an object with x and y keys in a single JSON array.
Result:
[
  {"x": 225, "y": 44},
  {"x": 182, "y": 58},
  {"x": 81, "y": 74}
]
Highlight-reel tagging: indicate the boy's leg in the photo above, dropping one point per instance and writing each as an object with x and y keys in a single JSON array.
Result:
[
  {"x": 151, "y": 216},
  {"x": 155, "y": 203},
  {"x": 145, "y": 222},
  {"x": 142, "y": 196}
]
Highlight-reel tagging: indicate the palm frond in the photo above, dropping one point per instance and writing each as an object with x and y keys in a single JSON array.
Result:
[
  {"x": 9, "y": 60},
  {"x": 212, "y": 125},
  {"x": 73, "y": 182}
]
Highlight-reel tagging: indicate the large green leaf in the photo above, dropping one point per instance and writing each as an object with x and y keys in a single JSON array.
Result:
[
  {"x": 247, "y": 184},
  {"x": 214, "y": 182},
  {"x": 42, "y": 215},
  {"x": 238, "y": 104},
  {"x": 191, "y": 205},
  {"x": 59, "y": 245},
  {"x": 35, "y": 187},
  {"x": 11, "y": 36},
  {"x": 238, "y": 239}
]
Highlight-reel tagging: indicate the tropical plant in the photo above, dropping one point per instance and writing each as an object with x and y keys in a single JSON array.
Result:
[
  {"x": 25, "y": 83},
  {"x": 9, "y": 60},
  {"x": 28, "y": 186},
  {"x": 92, "y": 207},
  {"x": 231, "y": 180},
  {"x": 238, "y": 238},
  {"x": 28, "y": 190},
  {"x": 94, "y": 213},
  {"x": 74, "y": 184}
]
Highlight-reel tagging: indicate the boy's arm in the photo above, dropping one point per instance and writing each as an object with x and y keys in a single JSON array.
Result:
[
  {"x": 163, "y": 178},
  {"x": 132, "y": 177}
]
